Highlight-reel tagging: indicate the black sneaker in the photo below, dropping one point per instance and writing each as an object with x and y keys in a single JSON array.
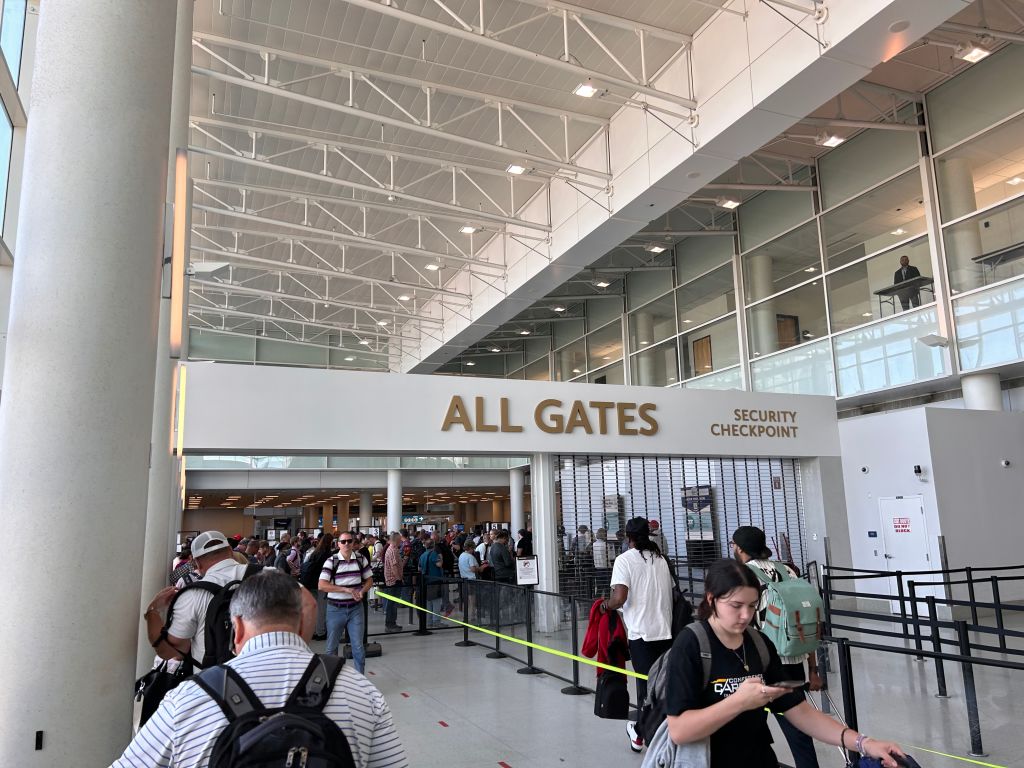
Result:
[{"x": 392, "y": 630}]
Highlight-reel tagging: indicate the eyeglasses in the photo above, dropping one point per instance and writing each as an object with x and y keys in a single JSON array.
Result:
[{"x": 345, "y": 541}]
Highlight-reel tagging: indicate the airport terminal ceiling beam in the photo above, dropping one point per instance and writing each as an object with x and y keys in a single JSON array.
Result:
[
  {"x": 479, "y": 38},
  {"x": 414, "y": 82},
  {"x": 242, "y": 290},
  {"x": 275, "y": 266},
  {"x": 563, "y": 164},
  {"x": 339, "y": 238},
  {"x": 469, "y": 213}
]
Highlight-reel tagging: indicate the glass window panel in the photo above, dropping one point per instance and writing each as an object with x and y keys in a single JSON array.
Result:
[
  {"x": 571, "y": 361},
  {"x": 865, "y": 160},
  {"x": 613, "y": 374},
  {"x": 644, "y": 285},
  {"x": 513, "y": 360},
  {"x": 604, "y": 345},
  {"x": 706, "y": 298},
  {"x": 601, "y": 311},
  {"x": 538, "y": 371},
  {"x": 888, "y": 354},
  {"x": 484, "y": 365},
  {"x": 976, "y": 98},
  {"x": 697, "y": 255},
  {"x": 12, "y": 35},
  {"x": 656, "y": 367},
  {"x": 536, "y": 348},
  {"x": 986, "y": 248},
  {"x": 770, "y": 213},
  {"x": 851, "y": 291},
  {"x": 803, "y": 371},
  {"x": 982, "y": 172},
  {"x": 359, "y": 360},
  {"x": 6, "y": 136},
  {"x": 782, "y": 263},
  {"x": 710, "y": 347},
  {"x": 990, "y": 326},
  {"x": 789, "y": 320},
  {"x": 520, "y": 374},
  {"x": 728, "y": 379},
  {"x": 652, "y": 323},
  {"x": 566, "y": 331},
  {"x": 874, "y": 221},
  {"x": 210, "y": 345}
]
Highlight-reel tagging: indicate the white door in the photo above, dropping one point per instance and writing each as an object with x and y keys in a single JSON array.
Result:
[{"x": 905, "y": 544}]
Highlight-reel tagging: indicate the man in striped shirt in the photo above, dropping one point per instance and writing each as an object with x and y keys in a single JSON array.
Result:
[
  {"x": 267, "y": 616},
  {"x": 345, "y": 578}
]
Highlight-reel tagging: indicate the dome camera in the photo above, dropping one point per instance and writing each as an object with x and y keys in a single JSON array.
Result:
[{"x": 864, "y": 470}]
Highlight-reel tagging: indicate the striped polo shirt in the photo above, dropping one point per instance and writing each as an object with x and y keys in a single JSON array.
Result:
[
  {"x": 345, "y": 573},
  {"x": 183, "y": 731}
]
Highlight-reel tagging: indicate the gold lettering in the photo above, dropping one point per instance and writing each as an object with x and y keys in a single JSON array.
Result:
[
  {"x": 602, "y": 414},
  {"x": 457, "y": 414},
  {"x": 625, "y": 418},
  {"x": 506, "y": 425},
  {"x": 481, "y": 422},
  {"x": 557, "y": 420},
  {"x": 716, "y": 430},
  {"x": 578, "y": 418},
  {"x": 736, "y": 415},
  {"x": 652, "y": 423}
]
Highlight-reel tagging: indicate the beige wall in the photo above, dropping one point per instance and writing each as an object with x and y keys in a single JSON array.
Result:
[{"x": 227, "y": 521}]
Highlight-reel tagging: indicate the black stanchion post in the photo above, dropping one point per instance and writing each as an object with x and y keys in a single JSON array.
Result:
[
  {"x": 999, "y": 612},
  {"x": 574, "y": 689},
  {"x": 464, "y": 594},
  {"x": 969, "y": 572},
  {"x": 849, "y": 695},
  {"x": 903, "y": 604},
  {"x": 421, "y": 601},
  {"x": 970, "y": 694},
  {"x": 826, "y": 599},
  {"x": 940, "y": 671},
  {"x": 915, "y": 616},
  {"x": 529, "y": 669},
  {"x": 495, "y": 622}
]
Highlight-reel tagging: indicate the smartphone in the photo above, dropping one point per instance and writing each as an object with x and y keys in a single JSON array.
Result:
[{"x": 791, "y": 684}]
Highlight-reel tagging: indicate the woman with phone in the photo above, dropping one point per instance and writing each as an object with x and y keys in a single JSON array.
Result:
[{"x": 730, "y": 707}]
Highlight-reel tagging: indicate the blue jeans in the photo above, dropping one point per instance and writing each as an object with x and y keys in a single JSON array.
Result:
[{"x": 338, "y": 618}]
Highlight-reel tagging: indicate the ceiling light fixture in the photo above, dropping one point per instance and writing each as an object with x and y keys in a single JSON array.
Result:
[
  {"x": 524, "y": 332},
  {"x": 558, "y": 308},
  {"x": 365, "y": 342},
  {"x": 495, "y": 349},
  {"x": 404, "y": 297},
  {"x": 470, "y": 362},
  {"x": 468, "y": 229},
  {"x": 391, "y": 198},
  {"x": 865, "y": 314},
  {"x": 382, "y": 322},
  {"x": 728, "y": 203},
  {"x": 971, "y": 51},
  {"x": 576, "y": 370},
  {"x": 654, "y": 248},
  {"x": 515, "y": 170},
  {"x": 827, "y": 139},
  {"x": 432, "y": 267},
  {"x": 1015, "y": 181},
  {"x": 587, "y": 90},
  {"x": 602, "y": 283},
  {"x": 898, "y": 231},
  {"x": 811, "y": 269}
]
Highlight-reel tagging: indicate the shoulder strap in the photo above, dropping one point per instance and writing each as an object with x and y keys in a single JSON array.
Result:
[
  {"x": 250, "y": 570},
  {"x": 762, "y": 648},
  {"x": 698, "y": 629},
  {"x": 782, "y": 570},
  {"x": 230, "y": 692},
  {"x": 316, "y": 684},
  {"x": 763, "y": 577}
]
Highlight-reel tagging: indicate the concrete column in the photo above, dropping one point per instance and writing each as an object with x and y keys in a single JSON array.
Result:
[
  {"x": 343, "y": 516},
  {"x": 764, "y": 328},
  {"x": 496, "y": 511},
  {"x": 365, "y": 509},
  {"x": 982, "y": 391},
  {"x": 542, "y": 484},
  {"x": 394, "y": 499},
  {"x": 79, "y": 377},
  {"x": 959, "y": 199},
  {"x": 646, "y": 373}
]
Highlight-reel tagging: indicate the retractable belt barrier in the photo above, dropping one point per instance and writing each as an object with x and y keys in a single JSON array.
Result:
[{"x": 630, "y": 673}]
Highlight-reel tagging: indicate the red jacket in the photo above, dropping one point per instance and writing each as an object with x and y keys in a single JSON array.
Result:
[{"x": 610, "y": 645}]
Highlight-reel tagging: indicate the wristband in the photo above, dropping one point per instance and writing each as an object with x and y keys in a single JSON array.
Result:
[
  {"x": 842, "y": 738},
  {"x": 861, "y": 738}
]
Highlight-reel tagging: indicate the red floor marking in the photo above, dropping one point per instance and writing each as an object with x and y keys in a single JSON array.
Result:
[
  {"x": 442, "y": 723},
  {"x": 505, "y": 765},
  {"x": 405, "y": 695},
  {"x": 371, "y": 673}
]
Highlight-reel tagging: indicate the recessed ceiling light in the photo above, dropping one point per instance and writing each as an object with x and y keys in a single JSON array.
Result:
[
  {"x": 495, "y": 349},
  {"x": 654, "y": 248},
  {"x": 515, "y": 170},
  {"x": 971, "y": 51},
  {"x": 898, "y": 231},
  {"x": 828, "y": 140},
  {"x": 601, "y": 283},
  {"x": 432, "y": 267},
  {"x": 586, "y": 90},
  {"x": 558, "y": 309},
  {"x": 365, "y": 342},
  {"x": 524, "y": 332},
  {"x": 728, "y": 203},
  {"x": 468, "y": 229},
  {"x": 576, "y": 370},
  {"x": 470, "y": 362},
  {"x": 865, "y": 314},
  {"x": 404, "y": 297},
  {"x": 382, "y": 322},
  {"x": 1015, "y": 181},
  {"x": 349, "y": 359}
]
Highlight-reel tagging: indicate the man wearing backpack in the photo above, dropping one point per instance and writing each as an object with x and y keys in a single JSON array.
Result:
[
  {"x": 750, "y": 547},
  {"x": 329, "y": 714},
  {"x": 184, "y": 635}
]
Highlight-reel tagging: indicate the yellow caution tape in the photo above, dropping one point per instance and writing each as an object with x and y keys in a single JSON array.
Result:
[
  {"x": 509, "y": 638},
  {"x": 912, "y": 748}
]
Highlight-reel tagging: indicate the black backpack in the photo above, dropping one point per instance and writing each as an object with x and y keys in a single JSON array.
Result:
[
  {"x": 298, "y": 735},
  {"x": 309, "y": 574}
]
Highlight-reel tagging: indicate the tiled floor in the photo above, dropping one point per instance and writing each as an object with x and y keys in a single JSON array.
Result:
[{"x": 456, "y": 708}]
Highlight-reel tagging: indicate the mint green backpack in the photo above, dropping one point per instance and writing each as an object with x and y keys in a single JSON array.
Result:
[{"x": 793, "y": 621}]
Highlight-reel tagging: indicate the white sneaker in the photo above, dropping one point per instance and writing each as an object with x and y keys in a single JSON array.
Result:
[{"x": 635, "y": 742}]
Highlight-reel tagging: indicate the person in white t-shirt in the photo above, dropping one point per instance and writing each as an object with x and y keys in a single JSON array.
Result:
[{"x": 642, "y": 588}]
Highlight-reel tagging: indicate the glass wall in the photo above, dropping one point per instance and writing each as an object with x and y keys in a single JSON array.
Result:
[
  {"x": 12, "y": 35},
  {"x": 990, "y": 326},
  {"x": 804, "y": 371},
  {"x": 657, "y": 366}
]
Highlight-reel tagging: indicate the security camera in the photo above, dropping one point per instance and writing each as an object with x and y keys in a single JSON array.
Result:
[
  {"x": 864, "y": 470},
  {"x": 917, "y": 470},
  {"x": 190, "y": 271},
  {"x": 1004, "y": 463}
]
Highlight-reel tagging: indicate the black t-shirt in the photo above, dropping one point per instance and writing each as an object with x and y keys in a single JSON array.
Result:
[{"x": 745, "y": 740}]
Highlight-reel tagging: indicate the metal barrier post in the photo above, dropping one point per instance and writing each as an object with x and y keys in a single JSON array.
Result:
[
  {"x": 969, "y": 572},
  {"x": 421, "y": 601},
  {"x": 916, "y": 618},
  {"x": 827, "y": 601},
  {"x": 465, "y": 642},
  {"x": 574, "y": 689},
  {"x": 999, "y": 612},
  {"x": 940, "y": 671},
  {"x": 496, "y": 622},
  {"x": 529, "y": 669},
  {"x": 849, "y": 695},
  {"x": 903, "y": 604},
  {"x": 970, "y": 694}
]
